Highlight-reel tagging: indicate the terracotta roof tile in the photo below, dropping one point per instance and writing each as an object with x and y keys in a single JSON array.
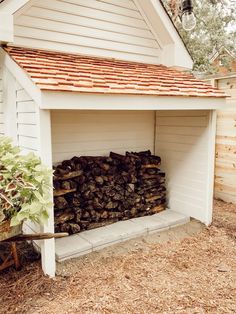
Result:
[{"x": 72, "y": 72}]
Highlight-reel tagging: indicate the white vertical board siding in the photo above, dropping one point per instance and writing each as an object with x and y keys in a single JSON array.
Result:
[
  {"x": 108, "y": 28},
  {"x": 182, "y": 141},
  {"x": 1, "y": 103},
  {"x": 27, "y": 122},
  {"x": 76, "y": 133}
]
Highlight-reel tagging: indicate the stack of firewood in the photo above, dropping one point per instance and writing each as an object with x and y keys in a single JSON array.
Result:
[{"x": 94, "y": 191}]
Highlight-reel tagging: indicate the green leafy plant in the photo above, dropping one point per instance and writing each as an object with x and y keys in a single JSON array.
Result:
[{"x": 25, "y": 186}]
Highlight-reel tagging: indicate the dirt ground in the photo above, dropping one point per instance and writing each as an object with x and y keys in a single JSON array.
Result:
[{"x": 189, "y": 269}]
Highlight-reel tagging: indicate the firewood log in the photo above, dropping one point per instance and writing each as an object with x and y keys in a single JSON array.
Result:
[
  {"x": 69, "y": 175},
  {"x": 74, "y": 228},
  {"x": 63, "y": 216},
  {"x": 90, "y": 191},
  {"x": 60, "y": 202},
  {"x": 65, "y": 227}
]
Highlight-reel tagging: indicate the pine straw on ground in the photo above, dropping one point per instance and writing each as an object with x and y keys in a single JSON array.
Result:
[{"x": 195, "y": 275}]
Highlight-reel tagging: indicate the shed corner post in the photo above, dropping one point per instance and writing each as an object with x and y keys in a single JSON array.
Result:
[
  {"x": 9, "y": 104},
  {"x": 211, "y": 166},
  {"x": 45, "y": 153}
]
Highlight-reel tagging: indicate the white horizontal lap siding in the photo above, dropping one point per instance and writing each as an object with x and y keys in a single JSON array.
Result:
[
  {"x": 1, "y": 104},
  {"x": 103, "y": 28},
  {"x": 76, "y": 133},
  {"x": 182, "y": 142},
  {"x": 27, "y": 122},
  {"x": 27, "y": 133}
]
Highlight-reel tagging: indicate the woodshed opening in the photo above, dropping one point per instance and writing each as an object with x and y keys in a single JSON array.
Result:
[{"x": 179, "y": 137}]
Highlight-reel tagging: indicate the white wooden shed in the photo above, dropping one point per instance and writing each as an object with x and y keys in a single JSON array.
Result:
[{"x": 83, "y": 77}]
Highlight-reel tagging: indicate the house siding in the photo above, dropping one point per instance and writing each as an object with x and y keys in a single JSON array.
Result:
[
  {"x": 27, "y": 135},
  {"x": 76, "y": 133},
  {"x": 109, "y": 28},
  {"x": 182, "y": 140},
  {"x": 27, "y": 122}
]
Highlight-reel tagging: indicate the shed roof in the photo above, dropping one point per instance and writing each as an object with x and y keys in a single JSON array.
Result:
[{"x": 72, "y": 72}]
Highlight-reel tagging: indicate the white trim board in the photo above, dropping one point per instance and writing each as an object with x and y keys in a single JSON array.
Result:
[
  {"x": 173, "y": 47},
  {"x": 6, "y": 28},
  {"x": 11, "y": 6},
  {"x": 211, "y": 165},
  {"x": 22, "y": 77},
  {"x": 93, "y": 101}
]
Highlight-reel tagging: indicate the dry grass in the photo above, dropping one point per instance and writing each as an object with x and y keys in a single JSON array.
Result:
[{"x": 195, "y": 275}]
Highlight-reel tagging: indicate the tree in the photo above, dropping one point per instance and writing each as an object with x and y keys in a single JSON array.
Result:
[{"x": 216, "y": 27}]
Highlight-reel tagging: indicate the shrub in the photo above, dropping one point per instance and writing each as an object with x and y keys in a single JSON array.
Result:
[{"x": 25, "y": 186}]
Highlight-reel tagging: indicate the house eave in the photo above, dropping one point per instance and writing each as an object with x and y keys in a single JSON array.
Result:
[
  {"x": 6, "y": 28},
  {"x": 11, "y": 6},
  {"x": 21, "y": 76},
  {"x": 47, "y": 99},
  {"x": 93, "y": 101},
  {"x": 173, "y": 47}
]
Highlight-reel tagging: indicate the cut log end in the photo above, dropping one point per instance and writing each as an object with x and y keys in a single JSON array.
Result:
[{"x": 96, "y": 191}]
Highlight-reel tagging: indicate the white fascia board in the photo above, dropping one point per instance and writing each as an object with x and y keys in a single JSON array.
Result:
[
  {"x": 211, "y": 165},
  {"x": 21, "y": 77},
  {"x": 93, "y": 101},
  {"x": 11, "y": 6},
  {"x": 174, "y": 53},
  {"x": 6, "y": 28}
]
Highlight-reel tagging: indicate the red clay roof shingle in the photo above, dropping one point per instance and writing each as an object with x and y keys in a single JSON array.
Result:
[{"x": 59, "y": 71}]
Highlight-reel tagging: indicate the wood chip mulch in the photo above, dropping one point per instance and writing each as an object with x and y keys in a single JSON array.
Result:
[{"x": 194, "y": 275}]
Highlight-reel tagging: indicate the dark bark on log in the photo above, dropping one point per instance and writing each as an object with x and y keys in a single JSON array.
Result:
[
  {"x": 60, "y": 202},
  {"x": 62, "y": 192},
  {"x": 93, "y": 191},
  {"x": 69, "y": 175},
  {"x": 63, "y": 216}
]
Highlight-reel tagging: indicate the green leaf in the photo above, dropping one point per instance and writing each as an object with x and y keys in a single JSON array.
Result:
[
  {"x": 44, "y": 217},
  {"x": 25, "y": 185},
  {"x": 15, "y": 221}
]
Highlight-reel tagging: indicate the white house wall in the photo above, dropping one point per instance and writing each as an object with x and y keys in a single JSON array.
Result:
[
  {"x": 183, "y": 141},
  {"x": 109, "y": 28},
  {"x": 27, "y": 132},
  {"x": 94, "y": 133},
  {"x": 27, "y": 122}
]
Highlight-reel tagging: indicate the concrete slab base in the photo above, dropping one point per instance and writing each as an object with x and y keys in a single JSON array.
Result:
[{"x": 96, "y": 239}]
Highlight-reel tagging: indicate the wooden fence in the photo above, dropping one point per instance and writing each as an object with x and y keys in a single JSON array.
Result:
[{"x": 225, "y": 165}]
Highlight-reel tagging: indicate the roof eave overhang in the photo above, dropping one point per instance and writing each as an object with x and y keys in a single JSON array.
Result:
[
  {"x": 6, "y": 28},
  {"x": 7, "y": 10},
  {"x": 55, "y": 100},
  {"x": 50, "y": 100},
  {"x": 12, "y": 6},
  {"x": 21, "y": 76},
  {"x": 173, "y": 46}
]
